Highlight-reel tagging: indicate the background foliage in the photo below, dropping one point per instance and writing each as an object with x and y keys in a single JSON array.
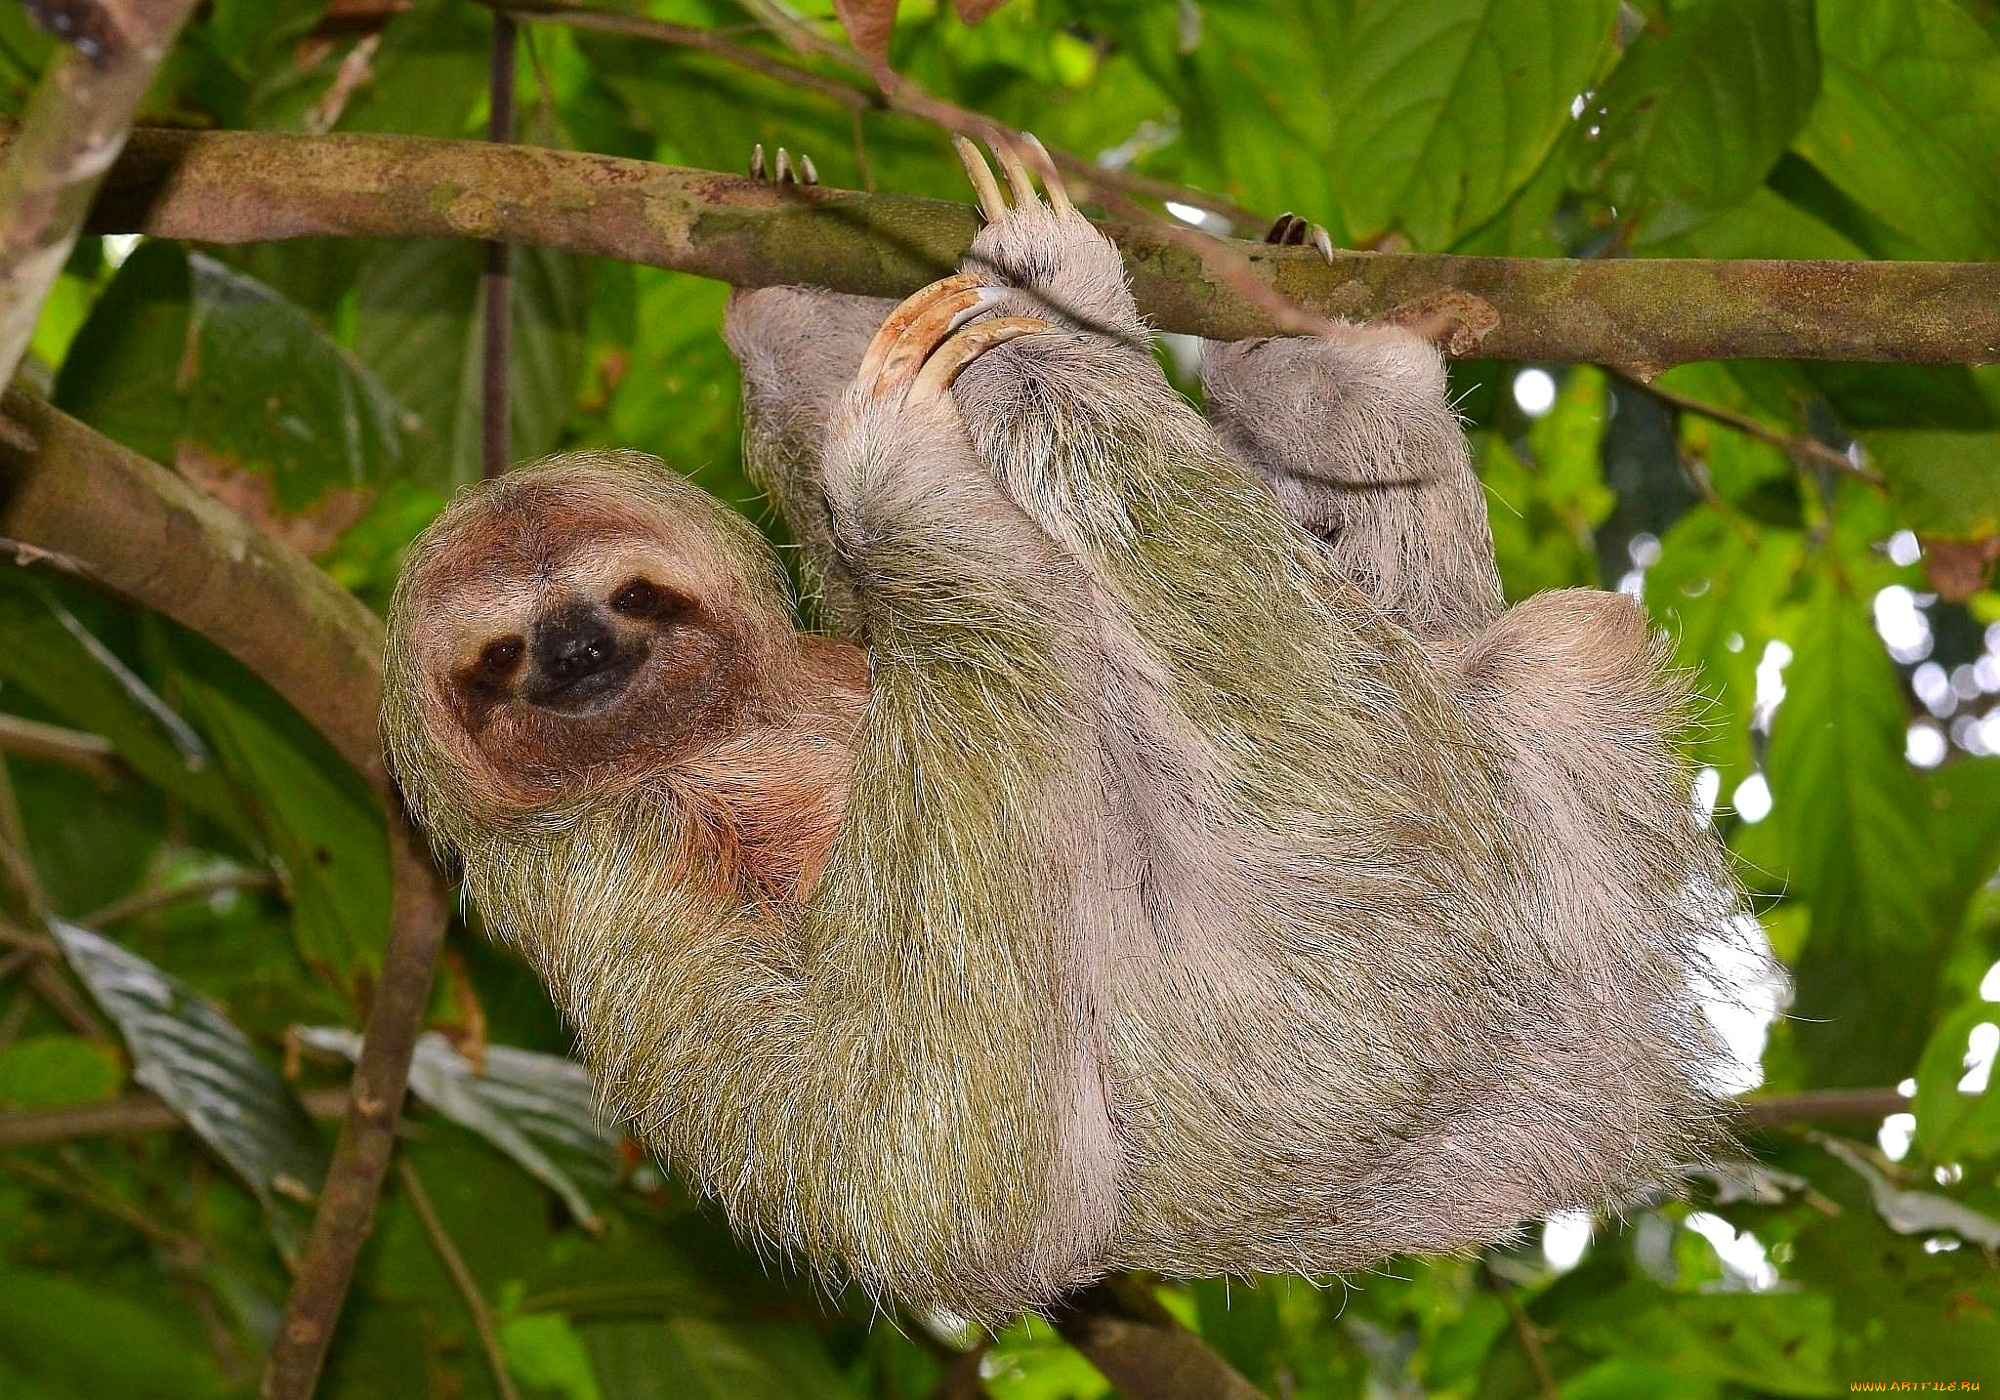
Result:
[{"x": 219, "y": 880}]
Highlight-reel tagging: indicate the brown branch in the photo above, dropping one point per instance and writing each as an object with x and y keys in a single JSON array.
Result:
[
  {"x": 496, "y": 352},
  {"x": 129, "y": 1116},
  {"x": 461, "y": 1277},
  {"x": 368, "y": 1133},
  {"x": 1125, "y": 1332},
  {"x": 144, "y": 532},
  {"x": 236, "y": 187},
  {"x": 1820, "y": 1105},
  {"x": 90, "y": 754},
  {"x": 76, "y": 120},
  {"x": 1799, "y": 448},
  {"x": 1525, "y": 1332}
]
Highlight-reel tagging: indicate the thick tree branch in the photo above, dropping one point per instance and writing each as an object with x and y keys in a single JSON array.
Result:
[
  {"x": 69, "y": 494},
  {"x": 1642, "y": 315},
  {"x": 72, "y": 130}
]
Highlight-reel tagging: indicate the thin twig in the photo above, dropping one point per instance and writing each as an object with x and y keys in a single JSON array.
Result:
[
  {"x": 1821, "y": 1105},
  {"x": 128, "y": 1116},
  {"x": 890, "y": 91},
  {"x": 496, "y": 284},
  {"x": 183, "y": 1246},
  {"x": 1798, "y": 448},
  {"x": 89, "y": 754},
  {"x": 201, "y": 887},
  {"x": 1525, "y": 1330},
  {"x": 468, "y": 1286}
]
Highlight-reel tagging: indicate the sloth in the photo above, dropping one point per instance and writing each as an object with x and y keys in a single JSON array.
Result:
[{"x": 1176, "y": 859}]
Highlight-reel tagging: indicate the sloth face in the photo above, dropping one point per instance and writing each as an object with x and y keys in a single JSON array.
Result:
[{"x": 571, "y": 629}]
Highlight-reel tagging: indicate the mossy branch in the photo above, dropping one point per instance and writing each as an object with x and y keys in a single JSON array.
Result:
[{"x": 1641, "y": 315}]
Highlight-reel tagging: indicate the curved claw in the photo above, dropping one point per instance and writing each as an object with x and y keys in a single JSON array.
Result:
[
  {"x": 984, "y": 187},
  {"x": 1052, "y": 180},
  {"x": 1290, "y": 231},
  {"x": 1021, "y": 177},
  {"x": 949, "y": 360},
  {"x": 931, "y": 312}
]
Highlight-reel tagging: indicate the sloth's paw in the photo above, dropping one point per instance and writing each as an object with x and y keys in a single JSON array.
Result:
[{"x": 1060, "y": 266}]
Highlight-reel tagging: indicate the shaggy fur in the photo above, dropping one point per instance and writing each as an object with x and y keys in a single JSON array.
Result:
[{"x": 1185, "y": 885}]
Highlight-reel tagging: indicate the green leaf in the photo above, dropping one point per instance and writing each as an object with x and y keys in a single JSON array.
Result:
[
  {"x": 1943, "y": 483},
  {"x": 1955, "y": 1123},
  {"x": 1700, "y": 108},
  {"x": 541, "y": 1110},
  {"x": 48, "y": 652},
  {"x": 702, "y": 1359},
  {"x": 50, "y": 1071},
  {"x": 1852, "y": 820},
  {"x": 1442, "y": 110},
  {"x": 544, "y": 1351},
  {"x": 417, "y": 328},
  {"x": 1908, "y": 121},
  {"x": 71, "y": 1341},
  {"x": 191, "y": 363},
  {"x": 1717, "y": 591},
  {"x": 187, "y": 1050},
  {"x": 313, "y": 810},
  {"x": 1547, "y": 502},
  {"x": 1775, "y": 1343}
]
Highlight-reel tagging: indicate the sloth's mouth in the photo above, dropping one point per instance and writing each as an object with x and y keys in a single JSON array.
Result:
[{"x": 592, "y": 691}]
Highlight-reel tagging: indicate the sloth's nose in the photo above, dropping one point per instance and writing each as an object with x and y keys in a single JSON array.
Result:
[{"x": 575, "y": 644}]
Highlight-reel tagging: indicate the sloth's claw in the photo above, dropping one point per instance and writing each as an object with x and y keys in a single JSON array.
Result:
[
  {"x": 1020, "y": 178},
  {"x": 942, "y": 369},
  {"x": 984, "y": 188},
  {"x": 923, "y": 318},
  {"x": 1290, "y": 231},
  {"x": 785, "y": 172}
]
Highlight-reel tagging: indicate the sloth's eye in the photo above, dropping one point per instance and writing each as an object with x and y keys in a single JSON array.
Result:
[
  {"x": 500, "y": 658},
  {"x": 636, "y": 599}
]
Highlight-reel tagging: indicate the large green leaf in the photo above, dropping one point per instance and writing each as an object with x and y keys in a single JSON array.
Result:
[
  {"x": 62, "y": 1339},
  {"x": 1442, "y": 109},
  {"x": 184, "y": 359},
  {"x": 417, "y": 327},
  {"x": 1955, "y": 1122},
  {"x": 1852, "y": 819},
  {"x": 314, "y": 812},
  {"x": 1908, "y": 121},
  {"x": 49, "y": 653},
  {"x": 1944, "y": 483},
  {"x": 541, "y": 1110},
  {"x": 701, "y": 1359},
  {"x": 186, "y": 1050},
  {"x": 1702, "y": 105}
]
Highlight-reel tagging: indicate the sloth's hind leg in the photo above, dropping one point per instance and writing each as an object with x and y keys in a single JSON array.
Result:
[{"x": 1354, "y": 432}]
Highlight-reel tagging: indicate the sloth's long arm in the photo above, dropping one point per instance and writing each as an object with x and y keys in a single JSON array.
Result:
[{"x": 947, "y": 957}]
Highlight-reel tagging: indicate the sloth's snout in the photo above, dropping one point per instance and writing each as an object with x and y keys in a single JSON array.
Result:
[
  {"x": 575, "y": 644},
  {"x": 580, "y": 661}
]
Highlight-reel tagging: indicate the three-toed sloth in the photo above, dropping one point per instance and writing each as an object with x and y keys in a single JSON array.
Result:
[{"x": 1186, "y": 865}]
